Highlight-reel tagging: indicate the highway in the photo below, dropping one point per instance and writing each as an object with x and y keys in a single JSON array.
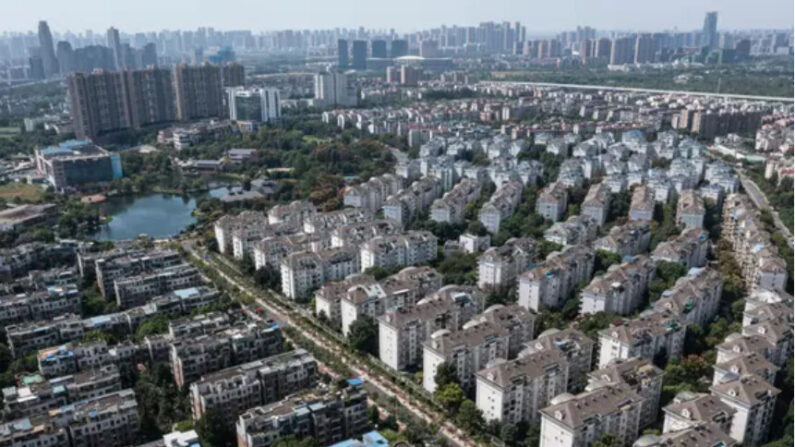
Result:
[
  {"x": 645, "y": 90},
  {"x": 284, "y": 315}
]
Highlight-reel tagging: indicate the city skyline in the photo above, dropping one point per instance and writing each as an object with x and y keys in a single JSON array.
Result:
[{"x": 413, "y": 16}]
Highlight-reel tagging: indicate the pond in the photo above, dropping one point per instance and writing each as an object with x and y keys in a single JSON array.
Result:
[{"x": 156, "y": 215}]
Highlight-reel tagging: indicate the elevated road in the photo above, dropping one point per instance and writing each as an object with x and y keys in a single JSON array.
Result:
[{"x": 644, "y": 90}]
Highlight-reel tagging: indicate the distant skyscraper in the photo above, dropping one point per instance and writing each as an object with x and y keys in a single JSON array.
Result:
[
  {"x": 333, "y": 88},
  {"x": 36, "y": 67},
  {"x": 644, "y": 48},
  {"x": 342, "y": 53},
  {"x": 149, "y": 55},
  {"x": 379, "y": 48},
  {"x": 66, "y": 63},
  {"x": 742, "y": 50},
  {"x": 400, "y": 48},
  {"x": 622, "y": 51},
  {"x": 199, "y": 92},
  {"x": 114, "y": 43},
  {"x": 47, "y": 53},
  {"x": 359, "y": 54},
  {"x": 602, "y": 48},
  {"x": 709, "y": 34},
  {"x": 429, "y": 48}
]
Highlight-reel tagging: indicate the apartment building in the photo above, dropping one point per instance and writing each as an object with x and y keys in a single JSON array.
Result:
[
  {"x": 774, "y": 323},
  {"x": 30, "y": 336},
  {"x": 452, "y": 206},
  {"x": 630, "y": 239},
  {"x": 597, "y": 203},
  {"x": 118, "y": 264},
  {"x": 688, "y": 410},
  {"x": 194, "y": 357},
  {"x": 702, "y": 434},
  {"x": 295, "y": 212},
  {"x": 550, "y": 284},
  {"x": 649, "y": 335},
  {"x": 303, "y": 272},
  {"x": 39, "y": 305},
  {"x": 225, "y": 225},
  {"x": 695, "y": 297},
  {"x": 513, "y": 391},
  {"x": 641, "y": 375},
  {"x": 353, "y": 235},
  {"x": 501, "y": 205},
  {"x": 401, "y": 332},
  {"x": 688, "y": 248},
  {"x": 29, "y": 432},
  {"x": 371, "y": 194},
  {"x": 579, "y": 420},
  {"x": 759, "y": 261},
  {"x": 36, "y": 395},
  {"x": 407, "y": 203},
  {"x": 410, "y": 248},
  {"x": 230, "y": 392},
  {"x": 72, "y": 357},
  {"x": 621, "y": 290},
  {"x": 327, "y": 417},
  {"x": 498, "y": 267},
  {"x": 552, "y": 202},
  {"x": 109, "y": 420},
  {"x": 574, "y": 345},
  {"x": 752, "y": 363},
  {"x": 576, "y": 230},
  {"x": 752, "y": 398},
  {"x": 373, "y": 299},
  {"x": 690, "y": 210},
  {"x": 641, "y": 206},
  {"x": 137, "y": 290}
]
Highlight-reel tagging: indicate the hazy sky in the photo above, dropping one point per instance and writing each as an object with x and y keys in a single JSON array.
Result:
[{"x": 403, "y": 15}]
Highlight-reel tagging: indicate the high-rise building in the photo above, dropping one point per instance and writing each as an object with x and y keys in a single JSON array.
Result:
[
  {"x": 342, "y": 53},
  {"x": 400, "y": 48},
  {"x": 233, "y": 75},
  {"x": 644, "y": 48},
  {"x": 742, "y": 50},
  {"x": 47, "y": 51},
  {"x": 76, "y": 162},
  {"x": 36, "y": 67},
  {"x": 429, "y": 48},
  {"x": 199, "y": 91},
  {"x": 622, "y": 51},
  {"x": 333, "y": 88},
  {"x": 378, "y": 49},
  {"x": 114, "y": 43},
  {"x": 709, "y": 34},
  {"x": 149, "y": 55},
  {"x": 410, "y": 75},
  {"x": 602, "y": 48},
  {"x": 260, "y": 105},
  {"x": 99, "y": 103},
  {"x": 150, "y": 94},
  {"x": 66, "y": 63},
  {"x": 359, "y": 54}
]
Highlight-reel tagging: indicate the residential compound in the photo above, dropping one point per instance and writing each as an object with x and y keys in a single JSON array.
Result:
[{"x": 617, "y": 175}]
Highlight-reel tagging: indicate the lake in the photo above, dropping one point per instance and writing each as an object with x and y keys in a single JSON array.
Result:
[{"x": 156, "y": 215}]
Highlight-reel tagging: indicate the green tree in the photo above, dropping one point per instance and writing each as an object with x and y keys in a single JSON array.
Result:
[
  {"x": 450, "y": 397},
  {"x": 445, "y": 373},
  {"x": 292, "y": 441},
  {"x": 363, "y": 335},
  {"x": 152, "y": 326},
  {"x": 469, "y": 417},
  {"x": 603, "y": 260},
  {"x": 213, "y": 432}
]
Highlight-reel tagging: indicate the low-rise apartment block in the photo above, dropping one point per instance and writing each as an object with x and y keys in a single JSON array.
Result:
[
  {"x": 651, "y": 334},
  {"x": 630, "y": 239},
  {"x": 640, "y": 374},
  {"x": 574, "y": 345},
  {"x": 695, "y": 298},
  {"x": 690, "y": 210},
  {"x": 550, "y": 284},
  {"x": 452, "y": 206},
  {"x": 576, "y": 230},
  {"x": 552, "y": 202},
  {"x": 327, "y": 417},
  {"x": 597, "y": 203},
  {"x": 621, "y": 290},
  {"x": 641, "y": 207},
  {"x": 232, "y": 391},
  {"x": 500, "y": 206},
  {"x": 410, "y": 248},
  {"x": 401, "y": 333},
  {"x": 498, "y": 267},
  {"x": 688, "y": 248},
  {"x": 303, "y": 272}
]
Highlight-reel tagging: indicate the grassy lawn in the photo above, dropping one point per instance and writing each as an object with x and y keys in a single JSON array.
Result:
[{"x": 21, "y": 191}]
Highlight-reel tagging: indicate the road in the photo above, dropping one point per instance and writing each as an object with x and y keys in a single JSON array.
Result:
[
  {"x": 382, "y": 384},
  {"x": 645, "y": 90},
  {"x": 760, "y": 200}
]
